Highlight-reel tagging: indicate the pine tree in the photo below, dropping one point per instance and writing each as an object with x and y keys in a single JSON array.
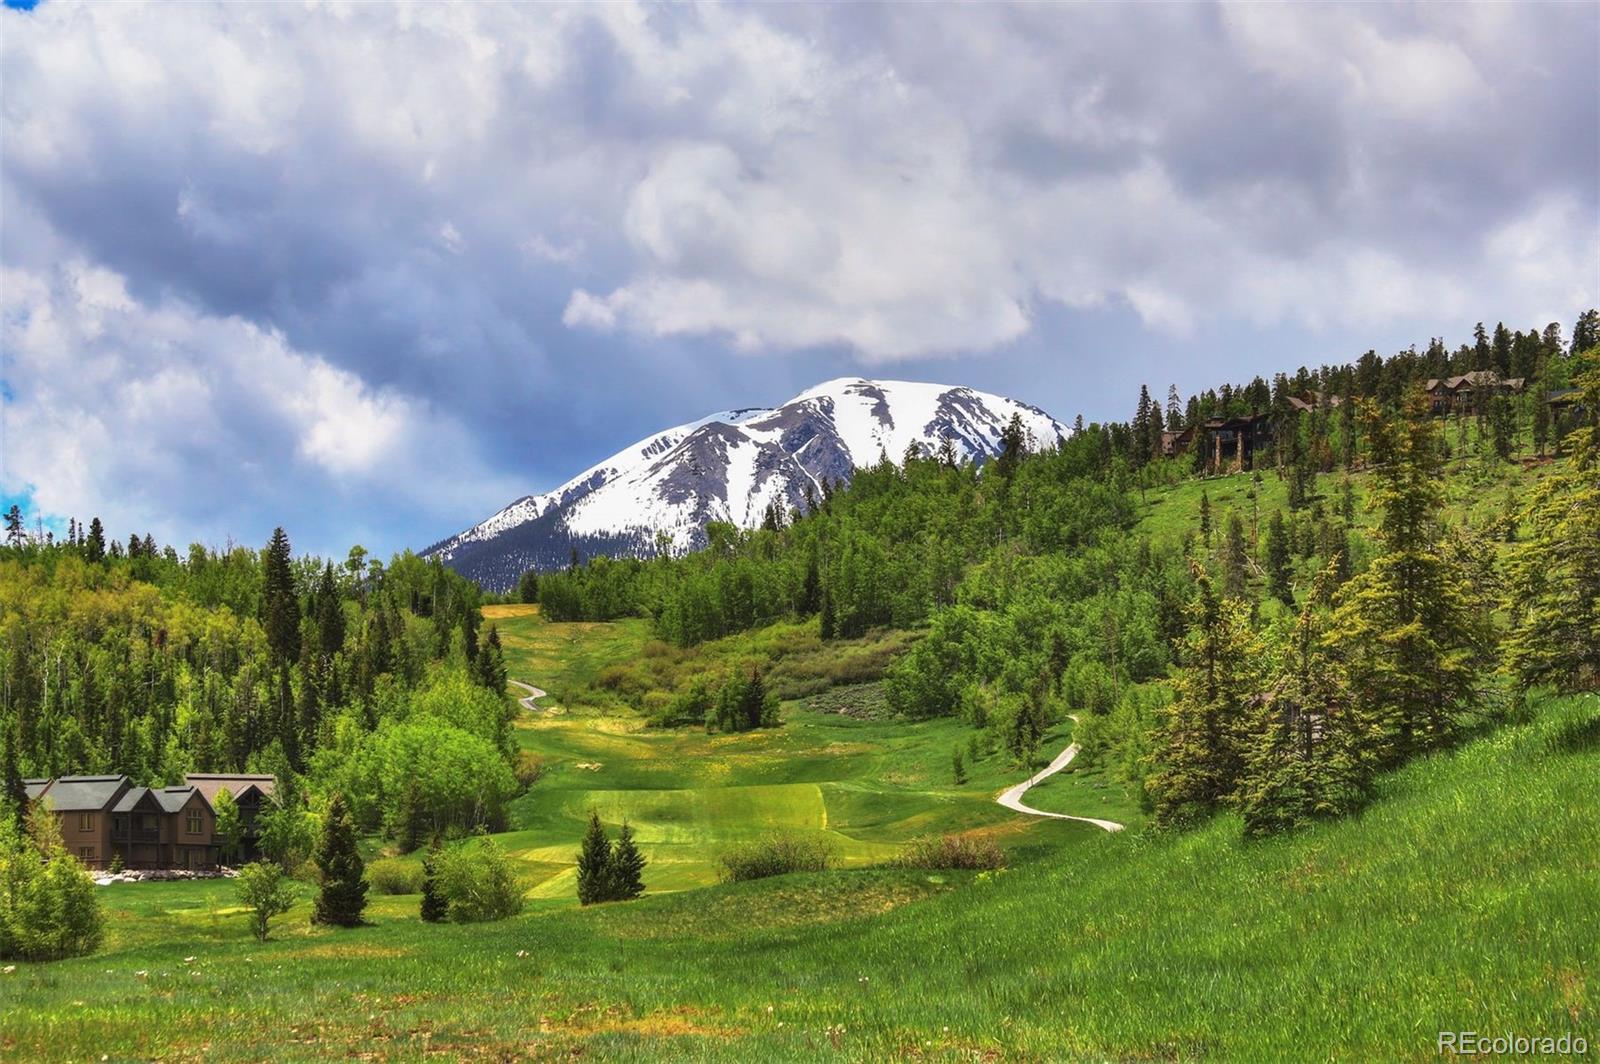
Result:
[
  {"x": 1586, "y": 333},
  {"x": 958, "y": 767},
  {"x": 14, "y": 796},
  {"x": 1198, "y": 756},
  {"x": 434, "y": 906},
  {"x": 490, "y": 667},
  {"x": 15, "y": 535},
  {"x": 343, "y": 897},
  {"x": 330, "y": 614},
  {"x": 1013, "y": 441},
  {"x": 627, "y": 867},
  {"x": 1278, "y": 571},
  {"x": 95, "y": 545},
  {"x": 1302, "y": 753},
  {"x": 594, "y": 863},
  {"x": 1235, "y": 559},
  {"x": 280, "y": 606},
  {"x": 1406, "y": 627},
  {"x": 1141, "y": 428},
  {"x": 1205, "y": 518},
  {"x": 1553, "y": 579}
]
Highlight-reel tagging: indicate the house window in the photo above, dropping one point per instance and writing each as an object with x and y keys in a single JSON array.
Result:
[
  {"x": 192, "y": 822},
  {"x": 86, "y": 853},
  {"x": 85, "y": 821}
]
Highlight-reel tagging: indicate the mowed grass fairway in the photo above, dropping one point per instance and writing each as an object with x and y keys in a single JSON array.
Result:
[
  {"x": 1465, "y": 898},
  {"x": 866, "y": 787}
]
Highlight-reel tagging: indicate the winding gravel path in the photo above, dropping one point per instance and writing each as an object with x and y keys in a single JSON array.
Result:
[
  {"x": 533, "y": 693},
  {"x": 1011, "y": 797}
]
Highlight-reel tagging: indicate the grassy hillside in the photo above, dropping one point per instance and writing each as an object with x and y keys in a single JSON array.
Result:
[{"x": 1464, "y": 898}]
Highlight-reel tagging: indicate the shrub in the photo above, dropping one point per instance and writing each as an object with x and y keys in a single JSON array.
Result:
[
  {"x": 48, "y": 905},
  {"x": 263, "y": 890},
  {"x": 528, "y": 769},
  {"x": 952, "y": 851},
  {"x": 777, "y": 855},
  {"x": 477, "y": 882},
  {"x": 390, "y": 875}
]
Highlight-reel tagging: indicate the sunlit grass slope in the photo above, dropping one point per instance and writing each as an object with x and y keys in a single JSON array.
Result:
[{"x": 1464, "y": 898}]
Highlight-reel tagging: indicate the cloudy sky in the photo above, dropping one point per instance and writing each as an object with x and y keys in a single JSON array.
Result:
[{"x": 373, "y": 271}]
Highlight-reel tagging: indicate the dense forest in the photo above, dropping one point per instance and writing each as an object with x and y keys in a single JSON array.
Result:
[
  {"x": 376, "y": 680},
  {"x": 1272, "y": 660}
]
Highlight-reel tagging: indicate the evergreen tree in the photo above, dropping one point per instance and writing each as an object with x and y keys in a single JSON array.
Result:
[
  {"x": 1302, "y": 753},
  {"x": 434, "y": 905},
  {"x": 1553, "y": 582},
  {"x": 1235, "y": 559},
  {"x": 280, "y": 606},
  {"x": 95, "y": 545},
  {"x": 594, "y": 863},
  {"x": 330, "y": 614},
  {"x": 490, "y": 667},
  {"x": 528, "y": 587},
  {"x": 1278, "y": 571},
  {"x": 1143, "y": 413},
  {"x": 343, "y": 897},
  {"x": 14, "y": 797},
  {"x": 1412, "y": 639},
  {"x": 1205, "y": 518},
  {"x": 1586, "y": 333},
  {"x": 15, "y": 535},
  {"x": 627, "y": 867},
  {"x": 958, "y": 767},
  {"x": 1013, "y": 442},
  {"x": 1198, "y": 754}
]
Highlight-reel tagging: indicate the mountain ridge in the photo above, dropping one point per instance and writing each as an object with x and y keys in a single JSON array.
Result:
[{"x": 730, "y": 466}]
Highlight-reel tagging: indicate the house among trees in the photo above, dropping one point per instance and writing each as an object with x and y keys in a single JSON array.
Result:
[
  {"x": 1310, "y": 400},
  {"x": 1447, "y": 395},
  {"x": 1231, "y": 442},
  {"x": 107, "y": 818}
]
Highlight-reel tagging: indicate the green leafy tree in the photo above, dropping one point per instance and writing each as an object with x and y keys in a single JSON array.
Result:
[
  {"x": 1411, "y": 637},
  {"x": 263, "y": 889},
  {"x": 343, "y": 897},
  {"x": 594, "y": 863},
  {"x": 478, "y": 882},
  {"x": 229, "y": 827},
  {"x": 49, "y": 907},
  {"x": 627, "y": 867},
  {"x": 435, "y": 907}
]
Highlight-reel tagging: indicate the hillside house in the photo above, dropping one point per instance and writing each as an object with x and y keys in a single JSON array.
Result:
[
  {"x": 1465, "y": 392},
  {"x": 1231, "y": 442},
  {"x": 109, "y": 818},
  {"x": 1307, "y": 401}
]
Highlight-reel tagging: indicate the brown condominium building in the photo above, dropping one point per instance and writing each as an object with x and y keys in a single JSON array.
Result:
[{"x": 106, "y": 818}]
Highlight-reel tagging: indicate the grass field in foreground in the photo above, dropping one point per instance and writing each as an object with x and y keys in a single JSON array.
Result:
[{"x": 1464, "y": 898}]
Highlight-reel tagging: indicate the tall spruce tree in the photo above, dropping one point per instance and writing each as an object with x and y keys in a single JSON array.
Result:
[
  {"x": 1235, "y": 559},
  {"x": 343, "y": 897},
  {"x": 1412, "y": 639},
  {"x": 1303, "y": 753},
  {"x": 1278, "y": 564},
  {"x": 434, "y": 907},
  {"x": 1198, "y": 755},
  {"x": 330, "y": 614},
  {"x": 1553, "y": 578},
  {"x": 280, "y": 606},
  {"x": 594, "y": 863},
  {"x": 95, "y": 545},
  {"x": 627, "y": 867}
]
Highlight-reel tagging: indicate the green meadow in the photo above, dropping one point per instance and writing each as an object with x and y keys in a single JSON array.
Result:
[{"x": 1463, "y": 898}]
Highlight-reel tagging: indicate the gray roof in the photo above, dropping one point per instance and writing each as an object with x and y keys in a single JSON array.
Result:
[
  {"x": 130, "y": 799},
  {"x": 173, "y": 799},
  {"x": 85, "y": 794},
  {"x": 35, "y": 788}
]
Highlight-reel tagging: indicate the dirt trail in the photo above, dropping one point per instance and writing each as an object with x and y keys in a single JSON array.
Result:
[
  {"x": 533, "y": 693},
  {"x": 1011, "y": 797}
]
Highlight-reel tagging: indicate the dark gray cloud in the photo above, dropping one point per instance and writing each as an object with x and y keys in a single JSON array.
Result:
[{"x": 514, "y": 238}]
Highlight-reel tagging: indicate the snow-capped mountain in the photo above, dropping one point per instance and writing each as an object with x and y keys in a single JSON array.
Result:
[{"x": 730, "y": 467}]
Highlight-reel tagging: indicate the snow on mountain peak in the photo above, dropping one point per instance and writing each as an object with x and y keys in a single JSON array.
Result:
[{"x": 731, "y": 466}]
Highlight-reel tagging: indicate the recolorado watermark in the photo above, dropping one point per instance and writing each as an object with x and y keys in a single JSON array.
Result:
[{"x": 1473, "y": 1044}]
